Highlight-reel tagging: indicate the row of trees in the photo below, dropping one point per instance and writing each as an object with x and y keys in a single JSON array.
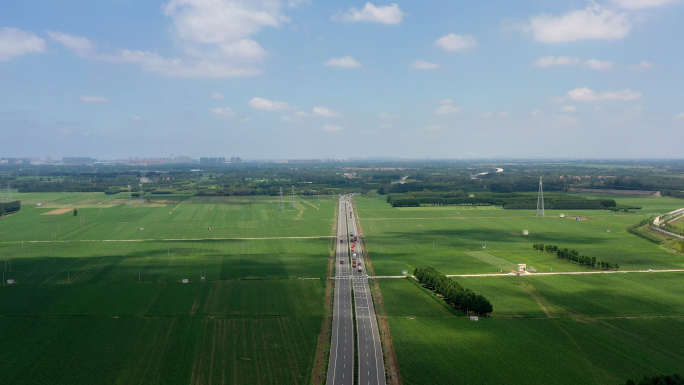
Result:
[
  {"x": 573, "y": 256},
  {"x": 9, "y": 207},
  {"x": 459, "y": 297},
  {"x": 674, "y": 379},
  {"x": 511, "y": 201}
]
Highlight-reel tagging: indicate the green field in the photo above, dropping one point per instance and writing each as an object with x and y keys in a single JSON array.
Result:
[
  {"x": 560, "y": 329},
  {"x": 403, "y": 239},
  {"x": 98, "y": 300}
]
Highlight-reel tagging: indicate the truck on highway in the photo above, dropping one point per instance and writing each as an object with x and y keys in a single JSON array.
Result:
[
  {"x": 359, "y": 266},
  {"x": 354, "y": 256}
]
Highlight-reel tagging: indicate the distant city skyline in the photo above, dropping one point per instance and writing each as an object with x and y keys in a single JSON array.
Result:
[{"x": 306, "y": 79}]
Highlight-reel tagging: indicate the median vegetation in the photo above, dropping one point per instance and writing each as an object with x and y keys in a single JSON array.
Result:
[
  {"x": 573, "y": 256},
  {"x": 459, "y": 297}
]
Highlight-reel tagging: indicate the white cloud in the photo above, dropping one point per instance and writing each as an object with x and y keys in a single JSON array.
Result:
[
  {"x": 386, "y": 125},
  {"x": 217, "y": 96},
  {"x": 588, "y": 95},
  {"x": 343, "y": 62},
  {"x": 503, "y": 114},
  {"x": 536, "y": 113},
  {"x": 388, "y": 14},
  {"x": 487, "y": 115},
  {"x": 15, "y": 42},
  {"x": 220, "y": 21},
  {"x": 435, "y": 128},
  {"x": 550, "y": 61},
  {"x": 591, "y": 23},
  {"x": 565, "y": 119},
  {"x": 216, "y": 64},
  {"x": 453, "y": 42},
  {"x": 297, "y": 3},
  {"x": 638, "y": 4},
  {"x": 153, "y": 62},
  {"x": 246, "y": 120},
  {"x": 93, "y": 99},
  {"x": 385, "y": 115},
  {"x": 680, "y": 116},
  {"x": 267, "y": 105},
  {"x": 643, "y": 66},
  {"x": 447, "y": 109},
  {"x": 330, "y": 128},
  {"x": 423, "y": 65},
  {"x": 224, "y": 111},
  {"x": 324, "y": 111},
  {"x": 599, "y": 65},
  {"x": 136, "y": 119},
  {"x": 569, "y": 108},
  {"x": 80, "y": 45}
]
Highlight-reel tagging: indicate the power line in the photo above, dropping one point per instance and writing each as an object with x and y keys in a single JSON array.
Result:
[{"x": 540, "y": 200}]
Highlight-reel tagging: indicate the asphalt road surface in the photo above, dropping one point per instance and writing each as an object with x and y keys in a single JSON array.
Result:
[
  {"x": 369, "y": 353},
  {"x": 341, "y": 366}
]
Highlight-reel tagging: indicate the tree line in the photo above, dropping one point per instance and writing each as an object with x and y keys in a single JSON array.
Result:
[
  {"x": 674, "y": 379},
  {"x": 9, "y": 207},
  {"x": 510, "y": 201},
  {"x": 573, "y": 256},
  {"x": 459, "y": 297}
]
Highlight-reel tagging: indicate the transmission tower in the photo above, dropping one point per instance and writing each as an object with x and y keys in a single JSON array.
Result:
[
  {"x": 130, "y": 197},
  {"x": 141, "y": 200},
  {"x": 281, "y": 205},
  {"x": 293, "y": 202},
  {"x": 540, "y": 200}
]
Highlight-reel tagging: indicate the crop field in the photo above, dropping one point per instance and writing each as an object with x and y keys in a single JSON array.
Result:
[
  {"x": 97, "y": 299},
  {"x": 561, "y": 329},
  {"x": 404, "y": 238},
  {"x": 538, "y": 336}
]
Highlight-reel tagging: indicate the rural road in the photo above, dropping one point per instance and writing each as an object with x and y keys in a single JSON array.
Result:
[
  {"x": 536, "y": 274},
  {"x": 369, "y": 358}
]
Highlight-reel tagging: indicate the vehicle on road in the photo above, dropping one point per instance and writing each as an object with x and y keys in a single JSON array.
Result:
[
  {"x": 354, "y": 256},
  {"x": 341, "y": 240},
  {"x": 354, "y": 264},
  {"x": 341, "y": 261}
]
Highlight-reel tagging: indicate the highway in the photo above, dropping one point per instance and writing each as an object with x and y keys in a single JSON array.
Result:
[
  {"x": 369, "y": 353},
  {"x": 341, "y": 365}
]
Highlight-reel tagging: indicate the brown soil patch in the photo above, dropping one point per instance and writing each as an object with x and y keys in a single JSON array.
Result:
[{"x": 57, "y": 212}]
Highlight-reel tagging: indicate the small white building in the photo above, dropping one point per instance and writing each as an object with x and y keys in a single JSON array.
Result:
[
  {"x": 474, "y": 318},
  {"x": 185, "y": 280},
  {"x": 561, "y": 215},
  {"x": 526, "y": 232},
  {"x": 522, "y": 267},
  {"x": 10, "y": 281}
]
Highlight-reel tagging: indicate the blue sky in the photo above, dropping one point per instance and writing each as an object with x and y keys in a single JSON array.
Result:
[{"x": 311, "y": 79}]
